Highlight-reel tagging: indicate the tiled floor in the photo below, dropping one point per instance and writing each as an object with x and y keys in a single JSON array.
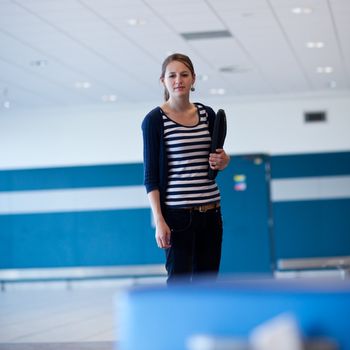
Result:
[
  {"x": 48, "y": 316},
  {"x": 60, "y": 346}
]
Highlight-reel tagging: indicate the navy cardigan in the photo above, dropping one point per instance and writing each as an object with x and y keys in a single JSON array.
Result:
[{"x": 154, "y": 151}]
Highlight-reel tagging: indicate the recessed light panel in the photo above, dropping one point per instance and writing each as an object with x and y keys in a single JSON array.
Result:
[
  {"x": 83, "y": 85},
  {"x": 314, "y": 44},
  {"x": 109, "y": 98},
  {"x": 217, "y": 91},
  {"x": 202, "y": 77},
  {"x": 324, "y": 70},
  {"x": 302, "y": 10},
  {"x": 136, "y": 21}
]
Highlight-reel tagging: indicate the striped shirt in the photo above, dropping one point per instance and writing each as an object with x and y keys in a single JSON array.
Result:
[{"x": 187, "y": 150}]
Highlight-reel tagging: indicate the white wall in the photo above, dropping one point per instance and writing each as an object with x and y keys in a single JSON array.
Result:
[
  {"x": 276, "y": 125},
  {"x": 112, "y": 134}
]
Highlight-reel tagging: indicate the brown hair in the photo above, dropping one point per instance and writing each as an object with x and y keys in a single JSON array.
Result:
[{"x": 176, "y": 57}]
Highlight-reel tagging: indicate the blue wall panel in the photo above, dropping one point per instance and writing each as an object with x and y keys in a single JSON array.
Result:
[
  {"x": 312, "y": 227},
  {"x": 76, "y": 238},
  {"x": 303, "y": 228},
  {"x": 122, "y": 237},
  {"x": 313, "y": 164},
  {"x": 71, "y": 177}
]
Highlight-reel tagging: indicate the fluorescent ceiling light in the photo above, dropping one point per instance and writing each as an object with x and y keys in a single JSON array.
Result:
[
  {"x": 202, "y": 77},
  {"x": 324, "y": 70},
  {"x": 219, "y": 91},
  {"x": 109, "y": 98},
  {"x": 302, "y": 10},
  {"x": 82, "y": 85},
  {"x": 314, "y": 44},
  {"x": 136, "y": 21}
]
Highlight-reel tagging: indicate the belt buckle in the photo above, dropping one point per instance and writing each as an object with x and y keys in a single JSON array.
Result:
[{"x": 202, "y": 208}]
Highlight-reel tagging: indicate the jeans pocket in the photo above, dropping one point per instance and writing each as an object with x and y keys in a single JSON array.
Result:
[{"x": 179, "y": 220}]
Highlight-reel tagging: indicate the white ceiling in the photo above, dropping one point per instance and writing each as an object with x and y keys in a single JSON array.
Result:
[{"x": 92, "y": 41}]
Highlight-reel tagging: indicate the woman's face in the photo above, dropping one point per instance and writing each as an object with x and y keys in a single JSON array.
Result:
[{"x": 178, "y": 79}]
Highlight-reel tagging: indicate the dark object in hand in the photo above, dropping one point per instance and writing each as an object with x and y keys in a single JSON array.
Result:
[{"x": 218, "y": 137}]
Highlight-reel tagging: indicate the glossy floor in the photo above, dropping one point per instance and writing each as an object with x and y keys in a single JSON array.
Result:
[{"x": 50, "y": 316}]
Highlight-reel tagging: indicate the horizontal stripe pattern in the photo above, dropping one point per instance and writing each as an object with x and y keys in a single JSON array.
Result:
[
  {"x": 310, "y": 188},
  {"x": 310, "y": 165},
  {"x": 71, "y": 177},
  {"x": 188, "y": 152},
  {"x": 72, "y": 200}
]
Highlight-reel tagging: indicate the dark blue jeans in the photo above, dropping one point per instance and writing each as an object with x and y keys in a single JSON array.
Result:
[{"x": 195, "y": 243}]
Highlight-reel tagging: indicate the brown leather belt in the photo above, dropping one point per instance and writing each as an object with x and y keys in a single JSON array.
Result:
[{"x": 205, "y": 207}]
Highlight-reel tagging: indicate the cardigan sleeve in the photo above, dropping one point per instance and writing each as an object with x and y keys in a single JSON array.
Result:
[
  {"x": 211, "y": 118},
  {"x": 151, "y": 150}
]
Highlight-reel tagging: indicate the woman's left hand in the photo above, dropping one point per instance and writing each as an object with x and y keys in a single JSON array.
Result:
[{"x": 219, "y": 160}]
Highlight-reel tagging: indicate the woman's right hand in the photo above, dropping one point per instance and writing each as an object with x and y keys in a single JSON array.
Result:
[{"x": 163, "y": 234}]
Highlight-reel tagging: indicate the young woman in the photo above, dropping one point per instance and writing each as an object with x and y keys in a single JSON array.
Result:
[{"x": 184, "y": 201}]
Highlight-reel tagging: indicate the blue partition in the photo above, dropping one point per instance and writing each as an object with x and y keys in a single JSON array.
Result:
[{"x": 157, "y": 318}]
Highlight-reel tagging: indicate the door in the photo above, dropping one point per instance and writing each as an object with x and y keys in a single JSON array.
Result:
[{"x": 246, "y": 208}]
